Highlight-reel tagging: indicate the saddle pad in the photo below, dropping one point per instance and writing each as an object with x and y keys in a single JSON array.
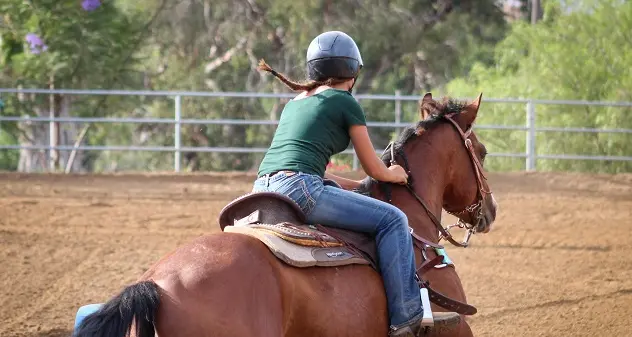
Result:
[
  {"x": 303, "y": 235},
  {"x": 298, "y": 255}
]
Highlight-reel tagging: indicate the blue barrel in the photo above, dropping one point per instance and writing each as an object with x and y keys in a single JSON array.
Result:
[{"x": 85, "y": 311}]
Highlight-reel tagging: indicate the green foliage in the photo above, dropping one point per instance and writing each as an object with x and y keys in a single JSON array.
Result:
[
  {"x": 8, "y": 158},
  {"x": 216, "y": 45},
  {"x": 411, "y": 46},
  {"x": 58, "y": 42},
  {"x": 581, "y": 55},
  {"x": 84, "y": 49}
]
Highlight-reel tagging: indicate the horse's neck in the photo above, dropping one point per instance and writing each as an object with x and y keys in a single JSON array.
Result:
[
  {"x": 429, "y": 182},
  {"x": 418, "y": 219}
]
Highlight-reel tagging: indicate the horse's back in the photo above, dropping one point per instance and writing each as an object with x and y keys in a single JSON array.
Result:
[{"x": 227, "y": 284}]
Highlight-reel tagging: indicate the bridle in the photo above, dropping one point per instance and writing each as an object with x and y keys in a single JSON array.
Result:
[{"x": 475, "y": 210}]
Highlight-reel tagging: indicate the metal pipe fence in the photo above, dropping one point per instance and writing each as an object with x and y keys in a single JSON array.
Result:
[{"x": 530, "y": 156}]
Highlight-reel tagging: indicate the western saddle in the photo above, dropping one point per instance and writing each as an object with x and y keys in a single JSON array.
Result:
[{"x": 277, "y": 220}]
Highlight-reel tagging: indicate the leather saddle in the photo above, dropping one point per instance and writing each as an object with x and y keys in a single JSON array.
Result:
[{"x": 276, "y": 220}]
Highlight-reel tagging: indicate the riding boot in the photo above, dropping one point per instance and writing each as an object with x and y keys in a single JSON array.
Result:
[{"x": 443, "y": 321}]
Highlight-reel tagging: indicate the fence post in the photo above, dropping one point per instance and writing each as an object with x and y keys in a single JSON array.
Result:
[
  {"x": 176, "y": 133},
  {"x": 53, "y": 130},
  {"x": 530, "y": 145},
  {"x": 51, "y": 135},
  {"x": 398, "y": 111}
]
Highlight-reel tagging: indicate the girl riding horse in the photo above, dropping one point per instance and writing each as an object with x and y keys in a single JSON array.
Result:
[{"x": 319, "y": 123}]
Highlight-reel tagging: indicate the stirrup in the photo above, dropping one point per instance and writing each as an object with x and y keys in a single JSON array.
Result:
[
  {"x": 443, "y": 320},
  {"x": 428, "y": 318}
]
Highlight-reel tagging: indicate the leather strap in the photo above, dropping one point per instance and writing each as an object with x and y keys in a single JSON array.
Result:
[
  {"x": 429, "y": 264},
  {"x": 450, "y": 304},
  {"x": 434, "y": 219},
  {"x": 438, "y": 298},
  {"x": 444, "y": 233},
  {"x": 426, "y": 242}
]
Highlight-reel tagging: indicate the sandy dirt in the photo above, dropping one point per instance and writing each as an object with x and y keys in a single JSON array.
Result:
[{"x": 558, "y": 262}]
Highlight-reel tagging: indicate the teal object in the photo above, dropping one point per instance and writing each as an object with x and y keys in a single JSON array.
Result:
[
  {"x": 85, "y": 311},
  {"x": 446, "y": 258}
]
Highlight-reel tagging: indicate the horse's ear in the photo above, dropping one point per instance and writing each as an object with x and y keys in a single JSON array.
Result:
[
  {"x": 426, "y": 99},
  {"x": 471, "y": 110},
  {"x": 476, "y": 103}
]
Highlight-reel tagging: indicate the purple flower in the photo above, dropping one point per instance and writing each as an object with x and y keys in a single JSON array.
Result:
[
  {"x": 90, "y": 5},
  {"x": 36, "y": 44},
  {"x": 33, "y": 39}
]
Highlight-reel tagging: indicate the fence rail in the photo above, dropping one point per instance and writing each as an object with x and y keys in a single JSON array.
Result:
[{"x": 530, "y": 127}]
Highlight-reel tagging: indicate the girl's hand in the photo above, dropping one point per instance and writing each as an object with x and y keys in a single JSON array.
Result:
[{"x": 398, "y": 175}]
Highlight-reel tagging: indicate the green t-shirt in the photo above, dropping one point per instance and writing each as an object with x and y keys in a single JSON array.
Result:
[{"x": 310, "y": 131}]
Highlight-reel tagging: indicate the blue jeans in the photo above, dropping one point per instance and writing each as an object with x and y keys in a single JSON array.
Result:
[{"x": 335, "y": 207}]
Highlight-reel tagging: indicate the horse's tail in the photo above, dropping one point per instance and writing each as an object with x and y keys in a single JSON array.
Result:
[{"x": 136, "y": 304}]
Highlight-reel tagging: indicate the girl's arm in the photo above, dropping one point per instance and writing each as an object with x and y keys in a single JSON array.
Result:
[
  {"x": 347, "y": 184},
  {"x": 371, "y": 163}
]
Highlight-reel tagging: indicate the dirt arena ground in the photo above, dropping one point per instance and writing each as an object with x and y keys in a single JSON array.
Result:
[{"x": 558, "y": 263}]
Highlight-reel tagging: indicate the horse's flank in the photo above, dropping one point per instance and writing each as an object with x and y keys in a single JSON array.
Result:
[{"x": 231, "y": 285}]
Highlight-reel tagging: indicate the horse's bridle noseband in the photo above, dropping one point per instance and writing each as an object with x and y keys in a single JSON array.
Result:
[{"x": 474, "y": 210}]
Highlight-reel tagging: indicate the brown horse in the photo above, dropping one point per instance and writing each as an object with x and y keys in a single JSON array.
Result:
[{"x": 231, "y": 285}]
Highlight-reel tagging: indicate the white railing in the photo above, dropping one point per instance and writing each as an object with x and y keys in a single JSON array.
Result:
[{"x": 530, "y": 128}]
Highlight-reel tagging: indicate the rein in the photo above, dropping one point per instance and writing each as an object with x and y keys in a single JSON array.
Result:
[{"x": 475, "y": 210}]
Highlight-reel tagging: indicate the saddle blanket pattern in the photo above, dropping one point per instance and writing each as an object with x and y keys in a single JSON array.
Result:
[
  {"x": 304, "y": 235},
  {"x": 300, "y": 255}
]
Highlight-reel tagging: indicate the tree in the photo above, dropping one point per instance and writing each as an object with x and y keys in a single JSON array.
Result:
[
  {"x": 63, "y": 44},
  {"x": 568, "y": 55},
  {"x": 216, "y": 45}
]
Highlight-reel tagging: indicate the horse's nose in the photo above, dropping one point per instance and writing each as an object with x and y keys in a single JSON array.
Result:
[
  {"x": 494, "y": 208},
  {"x": 489, "y": 215}
]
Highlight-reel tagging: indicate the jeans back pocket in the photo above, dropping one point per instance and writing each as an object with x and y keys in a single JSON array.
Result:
[{"x": 295, "y": 188}]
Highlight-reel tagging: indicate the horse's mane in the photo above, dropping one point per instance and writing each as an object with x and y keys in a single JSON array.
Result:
[{"x": 437, "y": 110}]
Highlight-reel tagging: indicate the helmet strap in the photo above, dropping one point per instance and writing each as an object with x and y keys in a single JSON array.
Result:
[{"x": 352, "y": 85}]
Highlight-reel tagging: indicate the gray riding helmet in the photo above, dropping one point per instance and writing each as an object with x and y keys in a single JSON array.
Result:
[{"x": 333, "y": 54}]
